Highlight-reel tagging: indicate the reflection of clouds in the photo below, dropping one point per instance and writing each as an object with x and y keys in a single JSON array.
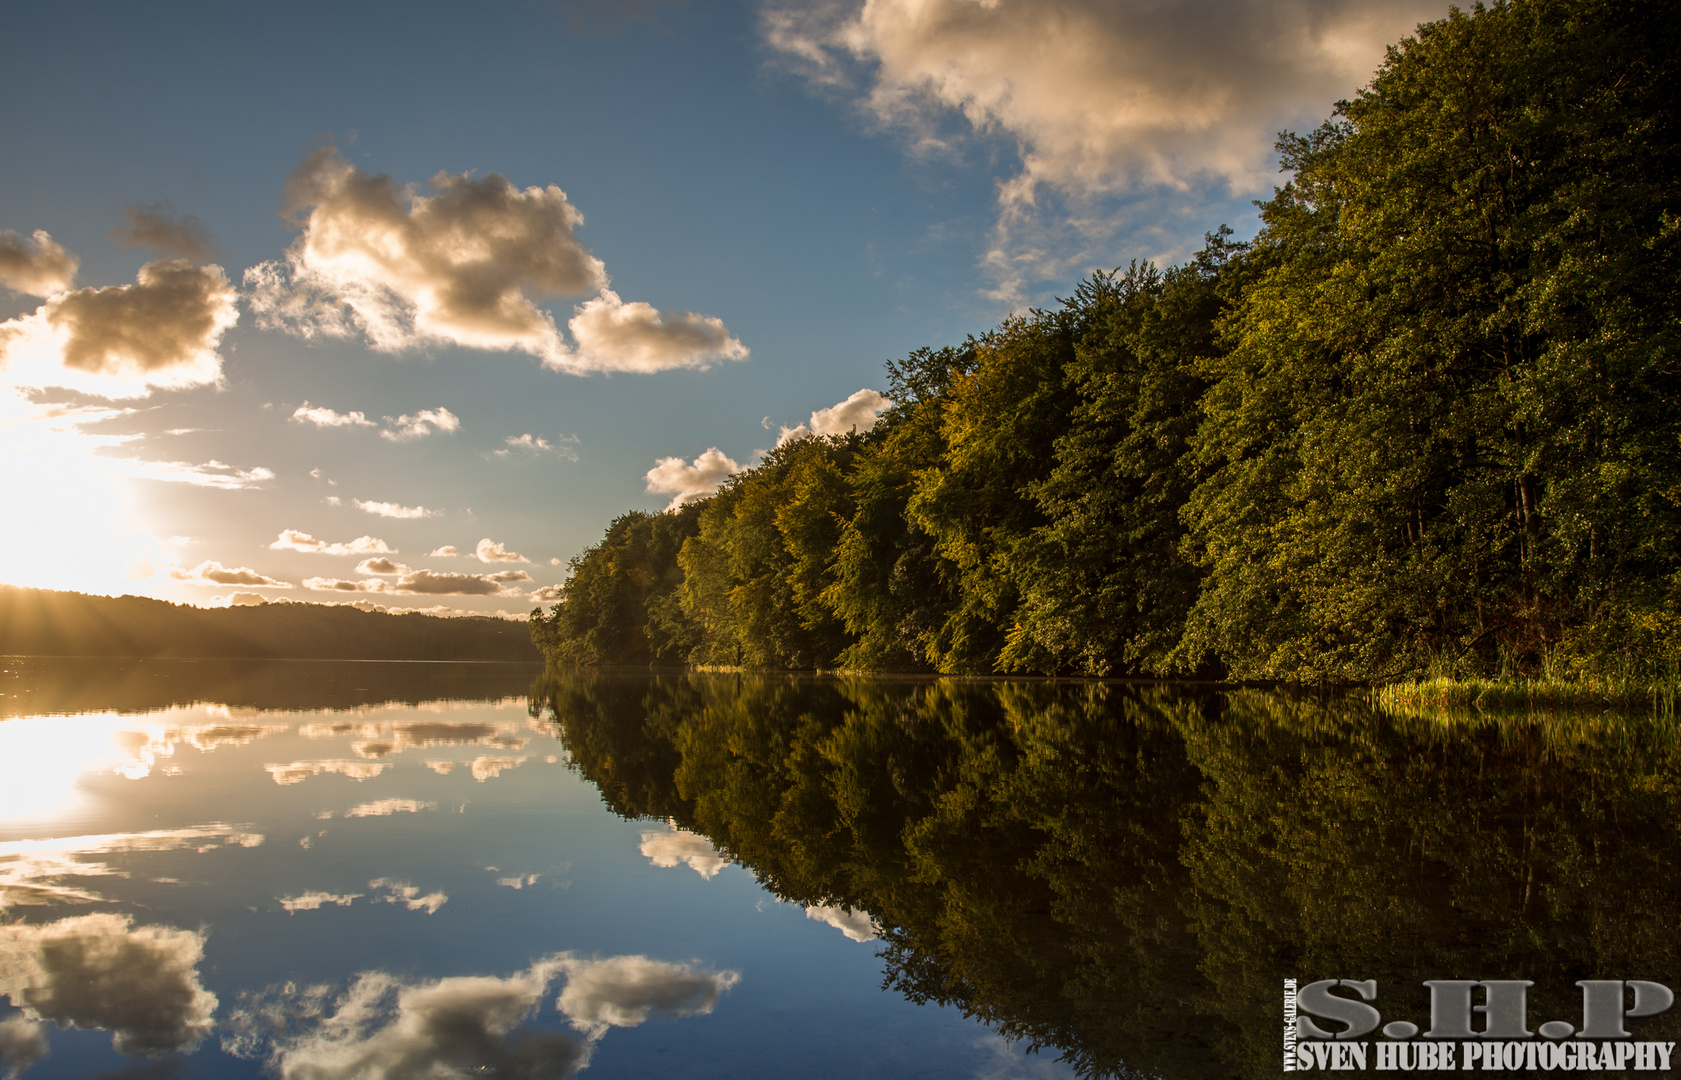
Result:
[
  {"x": 681, "y": 846},
  {"x": 401, "y": 892},
  {"x": 31, "y": 871},
  {"x": 298, "y": 771},
  {"x": 22, "y": 1044},
  {"x": 384, "y": 1027},
  {"x": 142, "y": 748},
  {"x": 856, "y": 925},
  {"x": 313, "y": 901},
  {"x": 442, "y": 768},
  {"x": 375, "y": 740},
  {"x": 488, "y": 768},
  {"x": 100, "y": 972},
  {"x": 518, "y": 881},
  {"x": 386, "y": 807}
]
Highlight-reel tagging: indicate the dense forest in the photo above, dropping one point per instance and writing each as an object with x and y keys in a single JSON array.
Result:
[
  {"x": 1123, "y": 874},
  {"x": 38, "y": 622},
  {"x": 1426, "y": 420}
]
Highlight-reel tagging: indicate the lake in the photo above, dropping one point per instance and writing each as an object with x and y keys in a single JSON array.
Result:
[{"x": 337, "y": 870}]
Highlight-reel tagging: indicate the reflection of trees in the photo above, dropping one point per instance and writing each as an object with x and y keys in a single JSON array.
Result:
[{"x": 1126, "y": 874}]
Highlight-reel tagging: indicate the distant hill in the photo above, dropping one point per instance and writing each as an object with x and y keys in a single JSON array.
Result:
[{"x": 37, "y": 622}]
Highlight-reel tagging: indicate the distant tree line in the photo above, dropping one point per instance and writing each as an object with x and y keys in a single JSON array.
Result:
[
  {"x": 1427, "y": 418},
  {"x": 38, "y": 622}
]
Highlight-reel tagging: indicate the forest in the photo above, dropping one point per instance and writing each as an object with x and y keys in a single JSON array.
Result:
[{"x": 1424, "y": 421}]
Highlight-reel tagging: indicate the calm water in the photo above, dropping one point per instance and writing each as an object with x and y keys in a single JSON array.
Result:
[{"x": 406, "y": 870}]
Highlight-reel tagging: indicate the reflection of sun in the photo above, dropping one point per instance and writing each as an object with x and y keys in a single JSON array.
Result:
[{"x": 43, "y": 757}]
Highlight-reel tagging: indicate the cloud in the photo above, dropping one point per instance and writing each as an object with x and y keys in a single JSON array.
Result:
[
  {"x": 548, "y": 594},
  {"x": 22, "y": 1044},
  {"x": 237, "y": 599},
  {"x": 427, "y": 583},
  {"x": 41, "y": 268},
  {"x": 387, "y": 807},
  {"x": 486, "y": 767},
  {"x": 857, "y": 413},
  {"x": 518, "y": 881},
  {"x": 312, "y": 901},
  {"x": 1100, "y": 98},
  {"x": 448, "y": 551},
  {"x": 465, "y": 266},
  {"x": 321, "y": 416},
  {"x": 615, "y": 336},
  {"x": 624, "y": 991},
  {"x": 102, "y": 972},
  {"x": 211, "y": 474},
  {"x": 34, "y": 872},
  {"x": 856, "y": 925},
  {"x": 489, "y": 552},
  {"x": 536, "y": 444},
  {"x": 293, "y": 540},
  {"x": 381, "y": 565},
  {"x": 401, "y": 892},
  {"x": 686, "y": 481},
  {"x": 298, "y": 771},
  {"x": 378, "y": 740},
  {"x": 674, "y": 846},
  {"x": 126, "y": 340},
  {"x": 395, "y": 510},
  {"x": 214, "y": 573},
  {"x": 421, "y": 424},
  {"x": 161, "y": 229}
]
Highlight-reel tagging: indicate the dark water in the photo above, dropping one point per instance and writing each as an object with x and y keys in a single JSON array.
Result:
[{"x": 372, "y": 870}]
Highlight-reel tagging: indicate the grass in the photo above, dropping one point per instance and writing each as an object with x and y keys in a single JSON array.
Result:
[{"x": 1520, "y": 694}]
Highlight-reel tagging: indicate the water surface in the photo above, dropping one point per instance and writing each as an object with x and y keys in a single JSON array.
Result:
[{"x": 391, "y": 870}]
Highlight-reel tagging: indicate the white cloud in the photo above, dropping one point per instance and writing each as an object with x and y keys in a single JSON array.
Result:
[
  {"x": 124, "y": 341},
  {"x": 293, "y": 540},
  {"x": 624, "y": 991},
  {"x": 387, "y": 807},
  {"x": 35, "y": 266},
  {"x": 615, "y": 336},
  {"x": 312, "y": 901},
  {"x": 421, "y": 424},
  {"x": 297, "y": 772},
  {"x": 321, "y": 416},
  {"x": 535, "y": 444},
  {"x": 35, "y": 872},
  {"x": 688, "y": 481},
  {"x": 548, "y": 594},
  {"x": 401, "y": 892},
  {"x": 448, "y": 551},
  {"x": 211, "y": 474},
  {"x": 489, "y": 552},
  {"x": 486, "y": 767},
  {"x": 395, "y": 510},
  {"x": 1101, "y": 98},
  {"x": 210, "y": 572},
  {"x": 102, "y": 972},
  {"x": 464, "y": 265},
  {"x": 859, "y": 412},
  {"x": 856, "y": 925},
  {"x": 679, "y": 846},
  {"x": 427, "y": 583}
]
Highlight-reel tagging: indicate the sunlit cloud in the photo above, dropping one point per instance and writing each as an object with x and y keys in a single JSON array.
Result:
[
  {"x": 23, "y": 1042},
  {"x": 157, "y": 226},
  {"x": 548, "y": 594},
  {"x": 382, "y": 565},
  {"x": 448, "y": 551},
  {"x": 37, "y": 872},
  {"x": 387, "y": 807},
  {"x": 421, "y": 424},
  {"x": 488, "y": 551},
  {"x": 673, "y": 847},
  {"x": 625, "y": 991},
  {"x": 237, "y": 599},
  {"x": 35, "y": 265},
  {"x": 124, "y": 341},
  {"x": 214, "y": 573},
  {"x": 297, "y": 772},
  {"x": 519, "y": 881},
  {"x": 211, "y": 474},
  {"x": 321, "y": 416},
  {"x": 395, "y": 510},
  {"x": 410, "y": 896},
  {"x": 314, "y": 901},
  {"x": 856, "y": 925},
  {"x": 615, "y": 336},
  {"x": 465, "y": 265},
  {"x": 293, "y": 540},
  {"x": 687, "y": 481},
  {"x": 1103, "y": 101},
  {"x": 486, "y": 767},
  {"x": 376, "y": 740},
  {"x": 859, "y": 412},
  {"x": 426, "y": 583},
  {"x": 101, "y": 972}
]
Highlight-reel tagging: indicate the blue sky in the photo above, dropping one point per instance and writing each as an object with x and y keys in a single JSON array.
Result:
[{"x": 797, "y": 192}]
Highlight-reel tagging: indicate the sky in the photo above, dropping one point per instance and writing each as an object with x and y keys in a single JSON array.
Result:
[{"x": 402, "y": 305}]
